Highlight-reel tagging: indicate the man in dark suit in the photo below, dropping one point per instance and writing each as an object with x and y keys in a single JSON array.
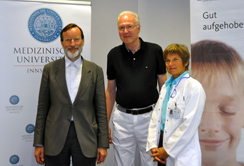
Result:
[{"x": 71, "y": 118}]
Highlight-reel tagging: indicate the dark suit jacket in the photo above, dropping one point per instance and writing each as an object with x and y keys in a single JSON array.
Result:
[{"x": 55, "y": 110}]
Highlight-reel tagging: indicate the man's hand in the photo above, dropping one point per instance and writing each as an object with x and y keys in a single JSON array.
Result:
[
  {"x": 39, "y": 154},
  {"x": 101, "y": 155},
  {"x": 110, "y": 137},
  {"x": 159, "y": 154}
]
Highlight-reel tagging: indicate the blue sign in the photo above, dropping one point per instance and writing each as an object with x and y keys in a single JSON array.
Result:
[
  {"x": 30, "y": 128},
  {"x": 14, "y": 100},
  {"x": 14, "y": 159},
  {"x": 45, "y": 25}
]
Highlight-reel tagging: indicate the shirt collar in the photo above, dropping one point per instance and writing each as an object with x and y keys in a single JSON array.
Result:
[
  {"x": 173, "y": 81},
  {"x": 142, "y": 46},
  {"x": 76, "y": 63}
]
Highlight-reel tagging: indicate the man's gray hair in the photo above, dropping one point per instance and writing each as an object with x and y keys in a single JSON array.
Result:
[{"x": 133, "y": 13}]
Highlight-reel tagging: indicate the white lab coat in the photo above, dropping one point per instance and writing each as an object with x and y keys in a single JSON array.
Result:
[{"x": 180, "y": 139}]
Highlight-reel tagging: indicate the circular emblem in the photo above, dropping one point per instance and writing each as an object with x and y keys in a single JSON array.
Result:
[
  {"x": 14, "y": 159},
  {"x": 14, "y": 100},
  {"x": 30, "y": 128},
  {"x": 45, "y": 25}
]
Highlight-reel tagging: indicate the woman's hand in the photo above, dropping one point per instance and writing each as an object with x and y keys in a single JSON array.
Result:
[{"x": 159, "y": 154}]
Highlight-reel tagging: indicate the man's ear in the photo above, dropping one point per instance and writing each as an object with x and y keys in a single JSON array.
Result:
[
  {"x": 139, "y": 28},
  {"x": 83, "y": 41}
]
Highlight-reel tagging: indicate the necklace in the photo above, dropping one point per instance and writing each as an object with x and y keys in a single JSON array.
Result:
[{"x": 174, "y": 92}]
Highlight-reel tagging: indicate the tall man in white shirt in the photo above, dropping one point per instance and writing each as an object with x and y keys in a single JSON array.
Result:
[{"x": 71, "y": 118}]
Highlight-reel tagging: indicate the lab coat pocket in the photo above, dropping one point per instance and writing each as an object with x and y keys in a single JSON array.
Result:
[{"x": 176, "y": 111}]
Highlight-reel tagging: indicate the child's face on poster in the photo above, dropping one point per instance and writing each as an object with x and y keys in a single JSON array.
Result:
[{"x": 222, "y": 120}]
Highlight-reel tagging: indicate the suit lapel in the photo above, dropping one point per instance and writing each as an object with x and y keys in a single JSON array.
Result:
[
  {"x": 85, "y": 80},
  {"x": 61, "y": 79}
]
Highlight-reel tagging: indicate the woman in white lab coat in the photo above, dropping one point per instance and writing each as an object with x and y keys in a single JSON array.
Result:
[{"x": 177, "y": 114}]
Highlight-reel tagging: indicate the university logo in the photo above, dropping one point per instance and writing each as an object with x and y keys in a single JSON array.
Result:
[
  {"x": 14, "y": 100},
  {"x": 14, "y": 159},
  {"x": 45, "y": 25},
  {"x": 30, "y": 128}
]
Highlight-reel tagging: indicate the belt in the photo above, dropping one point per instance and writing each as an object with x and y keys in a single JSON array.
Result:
[{"x": 135, "y": 111}]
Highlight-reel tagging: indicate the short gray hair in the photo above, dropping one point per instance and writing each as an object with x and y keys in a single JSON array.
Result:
[{"x": 130, "y": 12}]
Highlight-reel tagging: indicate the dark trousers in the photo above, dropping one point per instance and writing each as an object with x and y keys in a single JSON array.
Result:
[
  {"x": 71, "y": 148},
  {"x": 161, "y": 145}
]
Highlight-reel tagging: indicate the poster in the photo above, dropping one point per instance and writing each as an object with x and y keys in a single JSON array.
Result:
[
  {"x": 217, "y": 53},
  {"x": 29, "y": 39}
]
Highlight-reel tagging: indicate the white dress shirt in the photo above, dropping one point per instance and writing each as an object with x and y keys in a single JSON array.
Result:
[{"x": 73, "y": 72}]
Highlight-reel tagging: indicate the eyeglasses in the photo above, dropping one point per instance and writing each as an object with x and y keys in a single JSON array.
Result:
[
  {"x": 69, "y": 40},
  {"x": 128, "y": 27}
]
